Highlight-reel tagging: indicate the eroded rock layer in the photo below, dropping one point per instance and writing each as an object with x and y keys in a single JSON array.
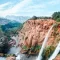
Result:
[{"x": 33, "y": 33}]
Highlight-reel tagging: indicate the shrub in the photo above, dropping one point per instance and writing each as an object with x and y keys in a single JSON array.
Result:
[
  {"x": 58, "y": 20},
  {"x": 4, "y": 46},
  {"x": 34, "y": 18},
  {"x": 56, "y": 15}
]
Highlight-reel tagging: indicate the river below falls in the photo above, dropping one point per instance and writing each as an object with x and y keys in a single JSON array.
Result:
[{"x": 15, "y": 50}]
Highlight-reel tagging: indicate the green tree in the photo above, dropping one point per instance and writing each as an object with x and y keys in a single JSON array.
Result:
[
  {"x": 4, "y": 46},
  {"x": 58, "y": 19},
  {"x": 56, "y": 15},
  {"x": 1, "y": 32},
  {"x": 34, "y": 18}
]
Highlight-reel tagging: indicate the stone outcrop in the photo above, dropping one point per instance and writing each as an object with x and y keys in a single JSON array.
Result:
[
  {"x": 11, "y": 58},
  {"x": 58, "y": 57},
  {"x": 33, "y": 33}
]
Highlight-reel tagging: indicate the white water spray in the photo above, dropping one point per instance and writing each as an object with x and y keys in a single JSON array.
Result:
[
  {"x": 43, "y": 45},
  {"x": 57, "y": 50},
  {"x": 16, "y": 49}
]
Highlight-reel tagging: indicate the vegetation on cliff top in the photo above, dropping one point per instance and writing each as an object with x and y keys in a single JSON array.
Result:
[{"x": 55, "y": 16}]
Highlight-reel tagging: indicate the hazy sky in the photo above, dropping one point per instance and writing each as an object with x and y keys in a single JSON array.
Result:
[{"x": 29, "y": 7}]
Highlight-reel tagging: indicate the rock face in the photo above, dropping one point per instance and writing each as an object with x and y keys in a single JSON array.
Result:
[
  {"x": 11, "y": 58},
  {"x": 57, "y": 58},
  {"x": 33, "y": 33}
]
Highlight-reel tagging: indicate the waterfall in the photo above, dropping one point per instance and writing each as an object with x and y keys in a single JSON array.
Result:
[
  {"x": 43, "y": 45},
  {"x": 15, "y": 49},
  {"x": 18, "y": 56},
  {"x": 55, "y": 52},
  {"x": 16, "y": 39}
]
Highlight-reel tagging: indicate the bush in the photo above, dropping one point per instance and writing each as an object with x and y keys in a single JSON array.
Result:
[
  {"x": 56, "y": 15},
  {"x": 34, "y": 18},
  {"x": 4, "y": 46},
  {"x": 48, "y": 52},
  {"x": 58, "y": 20}
]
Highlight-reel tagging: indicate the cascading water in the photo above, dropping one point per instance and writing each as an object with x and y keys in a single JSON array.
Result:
[
  {"x": 15, "y": 49},
  {"x": 43, "y": 45},
  {"x": 57, "y": 50}
]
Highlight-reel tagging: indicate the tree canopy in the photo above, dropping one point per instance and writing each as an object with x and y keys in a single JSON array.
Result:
[{"x": 56, "y": 16}]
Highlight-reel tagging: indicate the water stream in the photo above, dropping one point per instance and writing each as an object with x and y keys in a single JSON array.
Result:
[
  {"x": 14, "y": 50},
  {"x": 57, "y": 50},
  {"x": 44, "y": 42}
]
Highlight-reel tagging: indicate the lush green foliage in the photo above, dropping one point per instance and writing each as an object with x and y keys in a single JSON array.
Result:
[
  {"x": 25, "y": 47},
  {"x": 58, "y": 20},
  {"x": 34, "y": 18},
  {"x": 10, "y": 29},
  {"x": 47, "y": 52},
  {"x": 56, "y": 16},
  {"x": 10, "y": 25},
  {"x": 6, "y": 31},
  {"x": 44, "y": 17},
  {"x": 1, "y": 32},
  {"x": 4, "y": 46}
]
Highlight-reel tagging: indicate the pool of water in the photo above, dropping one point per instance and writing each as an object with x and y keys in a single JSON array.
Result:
[
  {"x": 2, "y": 58},
  {"x": 13, "y": 50},
  {"x": 16, "y": 50}
]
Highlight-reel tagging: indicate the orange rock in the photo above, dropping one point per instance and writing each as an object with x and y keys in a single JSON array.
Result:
[
  {"x": 34, "y": 42},
  {"x": 51, "y": 22},
  {"x": 35, "y": 31},
  {"x": 58, "y": 30},
  {"x": 11, "y": 58},
  {"x": 57, "y": 58},
  {"x": 50, "y": 41}
]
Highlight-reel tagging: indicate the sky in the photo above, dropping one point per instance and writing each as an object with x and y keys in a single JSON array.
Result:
[{"x": 29, "y": 7}]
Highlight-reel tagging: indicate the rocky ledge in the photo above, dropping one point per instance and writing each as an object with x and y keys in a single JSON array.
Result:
[{"x": 32, "y": 35}]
